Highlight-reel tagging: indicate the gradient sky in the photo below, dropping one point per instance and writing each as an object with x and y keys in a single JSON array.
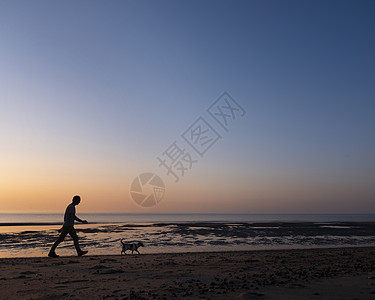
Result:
[{"x": 92, "y": 92}]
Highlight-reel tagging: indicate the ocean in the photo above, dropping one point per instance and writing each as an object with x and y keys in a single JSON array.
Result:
[
  {"x": 12, "y": 218},
  {"x": 28, "y": 235}
]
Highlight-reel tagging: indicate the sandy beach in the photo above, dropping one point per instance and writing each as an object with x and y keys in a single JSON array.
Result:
[{"x": 337, "y": 273}]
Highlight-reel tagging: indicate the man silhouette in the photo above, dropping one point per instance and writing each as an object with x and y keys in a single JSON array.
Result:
[{"x": 68, "y": 227}]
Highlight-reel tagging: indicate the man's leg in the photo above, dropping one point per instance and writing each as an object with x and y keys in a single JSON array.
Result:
[
  {"x": 74, "y": 236},
  {"x": 58, "y": 241}
]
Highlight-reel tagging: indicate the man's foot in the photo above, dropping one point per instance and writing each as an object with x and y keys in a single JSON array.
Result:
[
  {"x": 52, "y": 254},
  {"x": 82, "y": 253}
]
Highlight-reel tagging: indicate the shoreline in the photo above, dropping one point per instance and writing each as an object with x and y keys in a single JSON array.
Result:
[
  {"x": 203, "y": 252},
  {"x": 320, "y": 273},
  {"x": 104, "y": 239},
  {"x": 69, "y": 251}
]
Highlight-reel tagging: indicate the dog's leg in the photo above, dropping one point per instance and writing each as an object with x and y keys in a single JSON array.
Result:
[{"x": 138, "y": 251}]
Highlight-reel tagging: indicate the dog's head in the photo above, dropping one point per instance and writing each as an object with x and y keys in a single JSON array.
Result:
[{"x": 140, "y": 244}]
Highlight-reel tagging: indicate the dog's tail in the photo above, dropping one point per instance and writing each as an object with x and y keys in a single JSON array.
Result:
[{"x": 122, "y": 242}]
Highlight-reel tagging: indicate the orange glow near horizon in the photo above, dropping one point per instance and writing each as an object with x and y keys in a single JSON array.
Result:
[
  {"x": 34, "y": 191},
  {"x": 35, "y": 183}
]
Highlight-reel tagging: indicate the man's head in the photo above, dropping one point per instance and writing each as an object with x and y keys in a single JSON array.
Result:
[{"x": 76, "y": 200}]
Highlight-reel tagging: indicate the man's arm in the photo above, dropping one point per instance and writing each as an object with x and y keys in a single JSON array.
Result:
[
  {"x": 72, "y": 215},
  {"x": 79, "y": 220}
]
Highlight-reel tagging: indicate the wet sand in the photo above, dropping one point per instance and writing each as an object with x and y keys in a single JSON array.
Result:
[
  {"x": 338, "y": 273},
  {"x": 104, "y": 239}
]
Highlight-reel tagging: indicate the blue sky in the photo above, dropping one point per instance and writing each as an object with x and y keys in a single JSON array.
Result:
[{"x": 102, "y": 88}]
